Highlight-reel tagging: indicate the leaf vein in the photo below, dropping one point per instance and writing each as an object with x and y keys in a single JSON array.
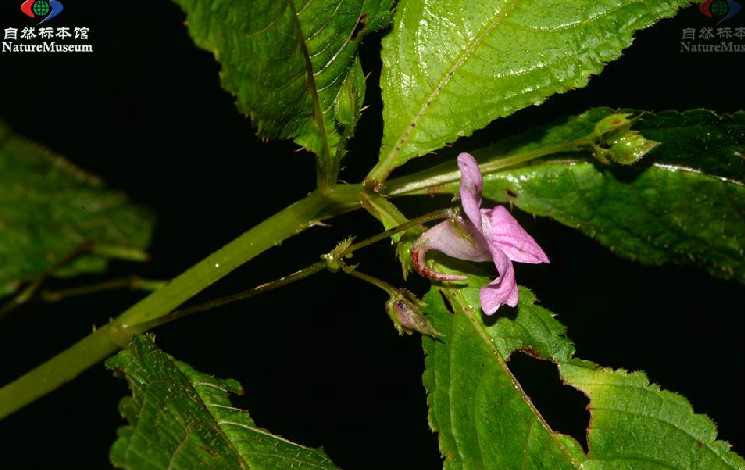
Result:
[{"x": 489, "y": 27}]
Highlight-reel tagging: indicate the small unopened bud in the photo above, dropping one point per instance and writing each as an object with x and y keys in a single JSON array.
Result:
[
  {"x": 614, "y": 123},
  {"x": 618, "y": 143},
  {"x": 405, "y": 311},
  {"x": 629, "y": 148}
]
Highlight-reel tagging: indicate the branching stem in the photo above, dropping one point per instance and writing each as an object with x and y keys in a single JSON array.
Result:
[
  {"x": 222, "y": 301},
  {"x": 335, "y": 258},
  {"x": 104, "y": 341},
  {"x": 29, "y": 291}
]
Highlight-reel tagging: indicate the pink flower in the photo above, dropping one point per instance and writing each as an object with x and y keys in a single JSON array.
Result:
[{"x": 483, "y": 235}]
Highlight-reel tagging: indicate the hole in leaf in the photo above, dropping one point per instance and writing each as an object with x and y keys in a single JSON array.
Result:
[
  {"x": 563, "y": 407},
  {"x": 446, "y": 302}
]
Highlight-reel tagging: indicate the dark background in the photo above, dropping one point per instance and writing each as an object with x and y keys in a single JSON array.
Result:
[{"x": 320, "y": 361}]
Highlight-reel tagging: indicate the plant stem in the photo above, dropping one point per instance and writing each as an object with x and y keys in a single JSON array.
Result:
[
  {"x": 297, "y": 217},
  {"x": 436, "y": 178},
  {"x": 61, "y": 369},
  {"x": 101, "y": 343},
  {"x": 436, "y": 215},
  {"x": 120, "y": 252},
  {"x": 26, "y": 294},
  {"x": 382, "y": 209},
  {"x": 322, "y": 203},
  {"x": 388, "y": 288},
  {"x": 335, "y": 256},
  {"x": 246, "y": 294},
  {"x": 288, "y": 222},
  {"x": 129, "y": 282}
]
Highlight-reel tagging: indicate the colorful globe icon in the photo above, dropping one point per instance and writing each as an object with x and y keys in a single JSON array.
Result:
[
  {"x": 41, "y": 8},
  {"x": 719, "y": 8}
]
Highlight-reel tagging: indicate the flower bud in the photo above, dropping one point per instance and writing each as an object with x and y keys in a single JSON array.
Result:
[
  {"x": 618, "y": 143},
  {"x": 404, "y": 309}
]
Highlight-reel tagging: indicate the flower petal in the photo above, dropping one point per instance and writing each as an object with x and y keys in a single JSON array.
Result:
[
  {"x": 512, "y": 239},
  {"x": 471, "y": 184},
  {"x": 453, "y": 239},
  {"x": 502, "y": 290}
]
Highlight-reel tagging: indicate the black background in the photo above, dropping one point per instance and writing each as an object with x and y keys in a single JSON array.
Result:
[{"x": 320, "y": 362}]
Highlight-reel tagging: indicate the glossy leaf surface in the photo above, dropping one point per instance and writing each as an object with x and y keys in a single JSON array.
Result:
[{"x": 450, "y": 70}]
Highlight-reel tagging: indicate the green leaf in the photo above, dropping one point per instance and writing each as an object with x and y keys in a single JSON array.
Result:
[
  {"x": 449, "y": 69},
  {"x": 182, "y": 418},
  {"x": 49, "y": 209},
  {"x": 683, "y": 203},
  {"x": 292, "y": 65},
  {"x": 485, "y": 420},
  {"x": 637, "y": 425},
  {"x": 700, "y": 140}
]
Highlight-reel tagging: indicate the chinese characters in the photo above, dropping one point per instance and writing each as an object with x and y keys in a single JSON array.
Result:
[
  {"x": 713, "y": 39},
  {"x": 30, "y": 33}
]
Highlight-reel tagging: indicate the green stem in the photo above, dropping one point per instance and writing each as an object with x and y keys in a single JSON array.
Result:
[
  {"x": 34, "y": 286},
  {"x": 433, "y": 179},
  {"x": 318, "y": 205},
  {"x": 336, "y": 256},
  {"x": 129, "y": 282},
  {"x": 60, "y": 369},
  {"x": 382, "y": 209},
  {"x": 288, "y": 222},
  {"x": 432, "y": 216},
  {"x": 229, "y": 299},
  {"x": 386, "y": 287},
  {"x": 120, "y": 252},
  {"x": 322, "y": 203},
  {"x": 104, "y": 341}
]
